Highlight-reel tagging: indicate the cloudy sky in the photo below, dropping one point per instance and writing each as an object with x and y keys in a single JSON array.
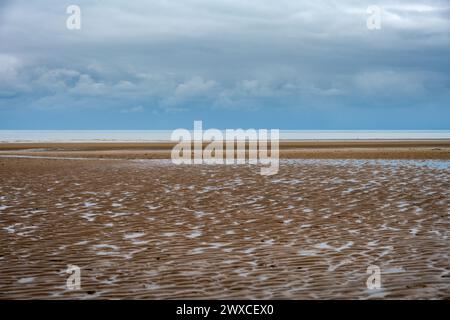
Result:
[{"x": 288, "y": 64}]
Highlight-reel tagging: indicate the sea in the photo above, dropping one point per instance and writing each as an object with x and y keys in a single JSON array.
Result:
[{"x": 10, "y": 136}]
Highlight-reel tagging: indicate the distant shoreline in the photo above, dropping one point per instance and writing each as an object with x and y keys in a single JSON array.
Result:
[
  {"x": 165, "y": 141},
  {"x": 164, "y": 136}
]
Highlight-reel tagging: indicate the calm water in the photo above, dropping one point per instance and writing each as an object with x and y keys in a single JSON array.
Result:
[{"x": 161, "y": 135}]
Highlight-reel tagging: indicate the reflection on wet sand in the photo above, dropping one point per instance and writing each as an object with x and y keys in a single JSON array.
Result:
[{"x": 149, "y": 229}]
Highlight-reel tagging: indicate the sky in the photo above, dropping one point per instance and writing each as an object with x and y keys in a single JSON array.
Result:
[{"x": 287, "y": 64}]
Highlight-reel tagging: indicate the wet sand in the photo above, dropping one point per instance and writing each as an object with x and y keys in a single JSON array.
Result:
[
  {"x": 356, "y": 149},
  {"x": 147, "y": 229}
]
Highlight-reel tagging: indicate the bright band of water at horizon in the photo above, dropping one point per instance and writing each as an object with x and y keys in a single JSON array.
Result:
[{"x": 10, "y": 136}]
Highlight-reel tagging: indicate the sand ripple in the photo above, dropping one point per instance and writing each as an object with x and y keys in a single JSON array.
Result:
[{"x": 147, "y": 229}]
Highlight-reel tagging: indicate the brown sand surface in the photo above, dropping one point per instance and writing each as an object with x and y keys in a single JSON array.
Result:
[
  {"x": 150, "y": 229},
  {"x": 357, "y": 149}
]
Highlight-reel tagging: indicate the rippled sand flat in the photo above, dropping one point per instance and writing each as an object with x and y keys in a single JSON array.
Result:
[{"x": 150, "y": 229}]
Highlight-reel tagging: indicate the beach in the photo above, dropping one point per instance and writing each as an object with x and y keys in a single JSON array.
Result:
[
  {"x": 312, "y": 149},
  {"x": 141, "y": 227}
]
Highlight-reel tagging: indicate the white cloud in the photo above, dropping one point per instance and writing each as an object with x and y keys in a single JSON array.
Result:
[
  {"x": 88, "y": 86},
  {"x": 194, "y": 87},
  {"x": 133, "y": 109},
  {"x": 8, "y": 66}
]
